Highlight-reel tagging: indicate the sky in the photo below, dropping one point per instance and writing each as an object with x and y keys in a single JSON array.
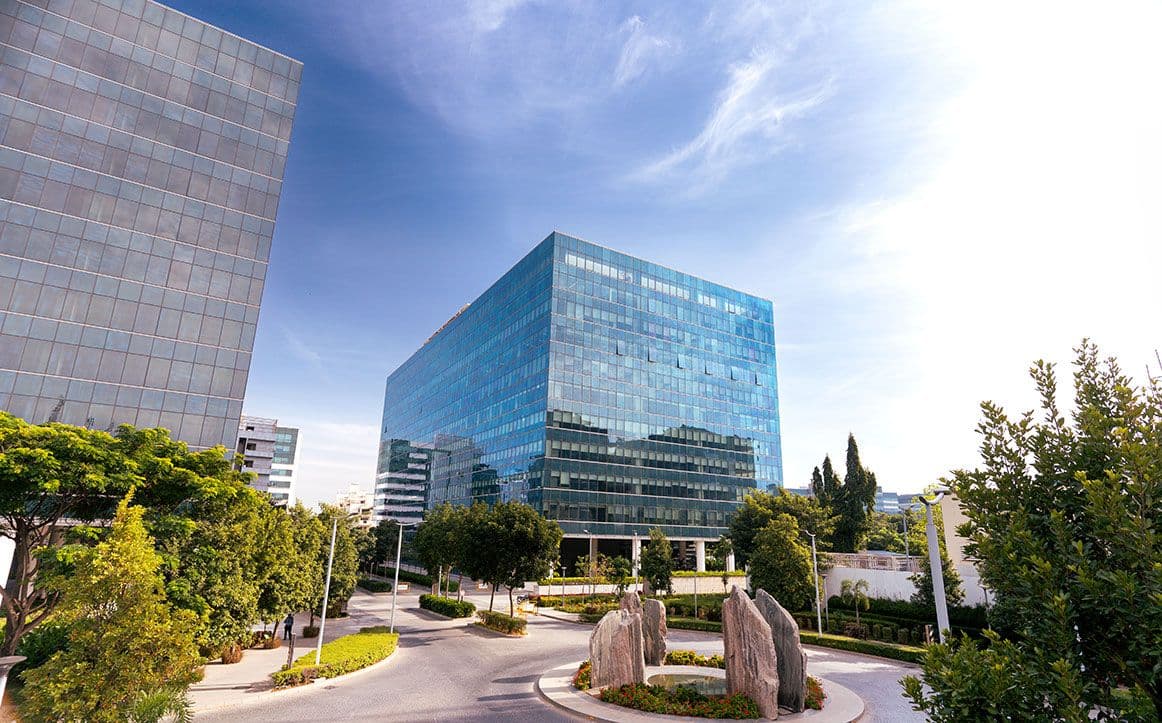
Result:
[{"x": 934, "y": 195}]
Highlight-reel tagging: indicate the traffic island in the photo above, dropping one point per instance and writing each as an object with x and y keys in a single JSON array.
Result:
[
  {"x": 556, "y": 686},
  {"x": 340, "y": 656}
]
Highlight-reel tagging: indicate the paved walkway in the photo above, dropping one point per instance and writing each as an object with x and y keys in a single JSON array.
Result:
[
  {"x": 450, "y": 670},
  {"x": 248, "y": 680}
]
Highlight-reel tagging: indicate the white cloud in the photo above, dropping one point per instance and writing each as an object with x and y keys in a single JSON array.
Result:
[{"x": 640, "y": 47}]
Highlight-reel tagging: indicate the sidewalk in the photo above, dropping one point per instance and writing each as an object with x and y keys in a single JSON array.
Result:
[{"x": 242, "y": 682}]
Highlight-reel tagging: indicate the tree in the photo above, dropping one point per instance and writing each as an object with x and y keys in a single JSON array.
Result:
[
  {"x": 1063, "y": 521},
  {"x": 308, "y": 542},
  {"x": 125, "y": 642},
  {"x": 781, "y": 564},
  {"x": 884, "y": 533},
  {"x": 722, "y": 550},
  {"x": 759, "y": 508},
  {"x": 512, "y": 544},
  {"x": 831, "y": 483},
  {"x": 364, "y": 543},
  {"x": 50, "y": 473},
  {"x": 657, "y": 561},
  {"x": 953, "y": 586},
  {"x": 386, "y": 537},
  {"x": 436, "y": 541},
  {"x": 854, "y": 502},
  {"x": 854, "y": 593},
  {"x": 621, "y": 572},
  {"x": 345, "y": 567}
]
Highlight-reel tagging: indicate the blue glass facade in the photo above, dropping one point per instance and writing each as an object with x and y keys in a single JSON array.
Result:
[{"x": 612, "y": 394}]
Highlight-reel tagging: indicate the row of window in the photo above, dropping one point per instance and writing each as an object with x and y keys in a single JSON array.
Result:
[{"x": 92, "y": 51}]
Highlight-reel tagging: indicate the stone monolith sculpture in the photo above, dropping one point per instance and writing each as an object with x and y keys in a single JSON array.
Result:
[
  {"x": 792, "y": 661},
  {"x": 615, "y": 650},
  {"x": 751, "y": 667},
  {"x": 631, "y": 602},
  {"x": 654, "y": 631}
]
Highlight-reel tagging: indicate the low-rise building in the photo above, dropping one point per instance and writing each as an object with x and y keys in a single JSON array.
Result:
[{"x": 270, "y": 452}]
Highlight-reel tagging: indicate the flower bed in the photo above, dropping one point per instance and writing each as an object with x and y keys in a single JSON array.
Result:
[
  {"x": 342, "y": 655},
  {"x": 682, "y": 700},
  {"x": 581, "y": 678}
]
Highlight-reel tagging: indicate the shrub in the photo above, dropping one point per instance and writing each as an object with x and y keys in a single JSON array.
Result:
[
  {"x": 689, "y": 657},
  {"x": 706, "y": 626},
  {"x": 420, "y": 579},
  {"x": 231, "y": 653},
  {"x": 40, "y": 643},
  {"x": 310, "y": 631},
  {"x": 815, "y": 694},
  {"x": 967, "y": 617},
  {"x": 855, "y": 630},
  {"x": 683, "y": 700},
  {"x": 908, "y": 654},
  {"x": 340, "y": 656},
  {"x": 374, "y": 585},
  {"x": 271, "y": 642},
  {"x": 447, "y": 606},
  {"x": 581, "y": 679},
  {"x": 502, "y": 623},
  {"x": 902, "y": 636}
]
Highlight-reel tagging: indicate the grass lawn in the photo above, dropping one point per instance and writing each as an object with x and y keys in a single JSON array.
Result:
[{"x": 340, "y": 656}]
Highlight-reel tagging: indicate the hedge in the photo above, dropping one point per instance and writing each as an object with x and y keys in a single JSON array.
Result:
[
  {"x": 340, "y": 656},
  {"x": 707, "y": 573},
  {"x": 689, "y": 657},
  {"x": 501, "y": 623},
  {"x": 374, "y": 585},
  {"x": 447, "y": 606},
  {"x": 959, "y": 616},
  {"x": 587, "y": 581},
  {"x": 421, "y": 579},
  {"x": 907, "y": 653},
  {"x": 707, "y": 626}
]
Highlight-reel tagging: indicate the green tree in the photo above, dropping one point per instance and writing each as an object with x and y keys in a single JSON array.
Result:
[
  {"x": 125, "y": 642},
  {"x": 884, "y": 533},
  {"x": 364, "y": 543},
  {"x": 437, "y": 541},
  {"x": 512, "y": 544},
  {"x": 621, "y": 572},
  {"x": 386, "y": 537},
  {"x": 854, "y": 593},
  {"x": 345, "y": 567},
  {"x": 953, "y": 585},
  {"x": 311, "y": 559},
  {"x": 50, "y": 473},
  {"x": 1063, "y": 521},
  {"x": 831, "y": 484},
  {"x": 657, "y": 561},
  {"x": 759, "y": 508},
  {"x": 853, "y": 503},
  {"x": 781, "y": 563}
]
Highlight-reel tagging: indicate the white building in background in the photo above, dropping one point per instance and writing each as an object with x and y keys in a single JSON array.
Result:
[
  {"x": 357, "y": 501},
  {"x": 271, "y": 453}
]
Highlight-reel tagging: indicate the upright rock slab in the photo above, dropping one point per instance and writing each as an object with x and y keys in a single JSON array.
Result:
[
  {"x": 615, "y": 650},
  {"x": 654, "y": 631},
  {"x": 751, "y": 666},
  {"x": 631, "y": 602},
  {"x": 792, "y": 661}
]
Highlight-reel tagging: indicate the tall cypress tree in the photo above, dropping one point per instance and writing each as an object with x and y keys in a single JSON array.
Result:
[
  {"x": 817, "y": 484},
  {"x": 854, "y": 502},
  {"x": 831, "y": 485}
]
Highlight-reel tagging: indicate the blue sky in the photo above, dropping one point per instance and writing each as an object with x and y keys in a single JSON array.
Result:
[{"x": 932, "y": 196}]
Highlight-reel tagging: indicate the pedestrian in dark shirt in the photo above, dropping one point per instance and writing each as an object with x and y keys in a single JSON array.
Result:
[{"x": 287, "y": 626}]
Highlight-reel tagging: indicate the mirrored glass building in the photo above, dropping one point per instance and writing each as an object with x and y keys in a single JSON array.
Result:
[
  {"x": 612, "y": 394},
  {"x": 141, "y": 162}
]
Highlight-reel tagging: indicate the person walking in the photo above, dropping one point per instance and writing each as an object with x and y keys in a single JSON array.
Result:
[{"x": 287, "y": 626}]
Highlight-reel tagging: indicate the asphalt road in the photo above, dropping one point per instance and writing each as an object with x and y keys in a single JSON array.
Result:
[{"x": 446, "y": 670}]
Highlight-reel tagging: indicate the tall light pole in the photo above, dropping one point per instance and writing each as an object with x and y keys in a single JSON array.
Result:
[
  {"x": 815, "y": 572},
  {"x": 632, "y": 550},
  {"x": 907, "y": 547},
  {"x": 327, "y": 585},
  {"x": 395, "y": 585},
  {"x": 592, "y": 560},
  {"x": 934, "y": 563}
]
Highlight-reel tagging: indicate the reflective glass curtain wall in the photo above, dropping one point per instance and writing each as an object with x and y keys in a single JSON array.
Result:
[
  {"x": 619, "y": 396},
  {"x": 141, "y": 161}
]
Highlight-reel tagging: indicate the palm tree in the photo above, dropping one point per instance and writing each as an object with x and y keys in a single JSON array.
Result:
[{"x": 854, "y": 593}]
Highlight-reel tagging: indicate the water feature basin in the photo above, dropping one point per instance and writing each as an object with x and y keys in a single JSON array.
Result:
[{"x": 704, "y": 684}]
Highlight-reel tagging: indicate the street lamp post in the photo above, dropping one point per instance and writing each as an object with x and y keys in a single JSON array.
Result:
[
  {"x": 815, "y": 572},
  {"x": 327, "y": 587},
  {"x": 635, "y": 552},
  {"x": 592, "y": 556},
  {"x": 935, "y": 565},
  {"x": 395, "y": 585}
]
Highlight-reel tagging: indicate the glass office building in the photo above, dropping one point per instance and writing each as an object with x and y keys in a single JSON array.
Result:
[
  {"x": 612, "y": 394},
  {"x": 141, "y": 161}
]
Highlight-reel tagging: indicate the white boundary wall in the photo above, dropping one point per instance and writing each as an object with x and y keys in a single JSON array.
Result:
[{"x": 893, "y": 585}]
